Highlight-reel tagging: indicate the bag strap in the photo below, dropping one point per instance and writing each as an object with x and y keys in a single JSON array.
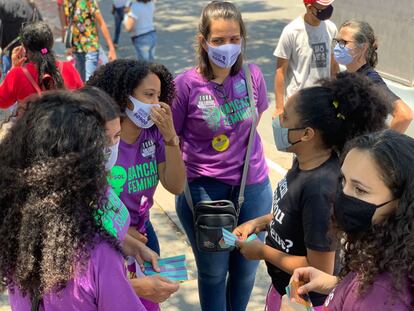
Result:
[
  {"x": 31, "y": 80},
  {"x": 248, "y": 75},
  {"x": 252, "y": 102}
]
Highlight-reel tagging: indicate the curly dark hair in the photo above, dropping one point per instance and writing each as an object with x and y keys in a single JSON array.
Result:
[
  {"x": 342, "y": 108},
  {"x": 52, "y": 174},
  {"x": 388, "y": 246},
  {"x": 35, "y": 37},
  {"x": 120, "y": 77}
]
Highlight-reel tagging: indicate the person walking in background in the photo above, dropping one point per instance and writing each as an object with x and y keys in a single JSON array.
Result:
[
  {"x": 35, "y": 68},
  {"x": 118, "y": 10},
  {"x": 213, "y": 117},
  {"x": 356, "y": 48},
  {"x": 83, "y": 18},
  {"x": 140, "y": 24},
  {"x": 303, "y": 53}
]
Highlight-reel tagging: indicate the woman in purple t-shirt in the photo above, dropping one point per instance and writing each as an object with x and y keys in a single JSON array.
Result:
[
  {"x": 212, "y": 116},
  {"x": 149, "y": 147},
  {"x": 374, "y": 207},
  {"x": 54, "y": 251}
]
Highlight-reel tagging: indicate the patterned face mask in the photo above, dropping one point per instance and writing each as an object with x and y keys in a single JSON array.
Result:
[{"x": 141, "y": 113}]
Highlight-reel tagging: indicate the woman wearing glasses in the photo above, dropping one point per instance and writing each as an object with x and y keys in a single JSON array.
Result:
[
  {"x": 212, "y": 117},
  {"x": 356, "y": 48}
]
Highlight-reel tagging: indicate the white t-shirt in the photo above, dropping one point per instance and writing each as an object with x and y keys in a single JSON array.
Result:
[
  {"x": 309, "y": 51},
  {"x": 143, "y": 13},
  {"x": 120, "y": 3}
]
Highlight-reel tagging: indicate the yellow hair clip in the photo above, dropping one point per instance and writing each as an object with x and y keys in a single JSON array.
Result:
[
  {"x": 340, "y": 116},
  {"x": 336, "y": 104}
]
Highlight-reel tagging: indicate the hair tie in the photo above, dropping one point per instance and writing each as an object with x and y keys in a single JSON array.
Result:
[
  {"x": 339, "y": 115},
  {"x": 43, "y": 51}
]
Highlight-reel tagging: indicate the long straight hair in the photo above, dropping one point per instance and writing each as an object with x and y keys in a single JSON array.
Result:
[{"x": 213, "y": 11}]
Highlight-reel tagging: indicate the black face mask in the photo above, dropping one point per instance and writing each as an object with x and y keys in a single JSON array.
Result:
[
  {"x": 324, "y": 14},
  {"x": 354, "y": 215}
]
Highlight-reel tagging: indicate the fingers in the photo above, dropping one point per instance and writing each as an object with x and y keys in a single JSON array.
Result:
[
  {"x": 140, "y": 262},
  {"x": 154, "y": 263}
]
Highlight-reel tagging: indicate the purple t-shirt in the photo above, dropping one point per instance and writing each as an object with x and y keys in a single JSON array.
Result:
[
  {"x": 116, "y": 219},
  {"x": 135, "y": 173},
  {"x": 102, "y": 286},
  {"x": 214, "y": 121},
  {"x": 380, "y": 296}
]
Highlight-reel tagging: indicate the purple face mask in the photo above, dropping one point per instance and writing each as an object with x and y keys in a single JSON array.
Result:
[{"x": 224, "y": 55}]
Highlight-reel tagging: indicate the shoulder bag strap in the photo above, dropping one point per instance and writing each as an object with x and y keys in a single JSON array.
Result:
[
  {"x": 249, "y": 85},
  {"x": 252, "y": 102},
  {"x": 31, "y": 80}
]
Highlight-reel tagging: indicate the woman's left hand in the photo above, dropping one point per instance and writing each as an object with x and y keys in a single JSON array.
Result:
[
  {"x": 18, "y": 56},
  {"x": 162, "y": 117},
  {"x": 141, "y": 252},
  {"x": 253, "y": 250}
]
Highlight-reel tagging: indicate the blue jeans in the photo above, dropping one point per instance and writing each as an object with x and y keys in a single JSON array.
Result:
[
  {"x": 119, "y": 16},
  {"x": 86, "y": 64},
  {"x": 5, "y": 66},
  {"x": 152, "y": 238},
  {"x": 145, "y": 45},
  {"x": 213, "y": 268}
]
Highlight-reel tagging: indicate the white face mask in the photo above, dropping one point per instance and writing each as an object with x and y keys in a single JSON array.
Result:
[
  {"x": 111, "y": 154},
  {"x": 224, "y": 56},
  {"x": 141, "y": 114}
]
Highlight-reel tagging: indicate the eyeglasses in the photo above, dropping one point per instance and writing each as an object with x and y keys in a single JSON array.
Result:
[{"x": 342, "y": 43}]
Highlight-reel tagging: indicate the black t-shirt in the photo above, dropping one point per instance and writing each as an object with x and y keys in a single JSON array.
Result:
[
  {"x": 302, "y": 210},
  {"x": 374, "y": 76}
]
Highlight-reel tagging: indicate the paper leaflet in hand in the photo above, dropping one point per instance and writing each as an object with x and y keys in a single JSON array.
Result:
[
  {"x": 230, "y": 239},
  {"x": 172, "y": 268},
  {"x": 292, "y": 293}
]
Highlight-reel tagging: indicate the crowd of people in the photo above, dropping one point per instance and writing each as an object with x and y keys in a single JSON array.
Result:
[{"x": 88, "y": 144}]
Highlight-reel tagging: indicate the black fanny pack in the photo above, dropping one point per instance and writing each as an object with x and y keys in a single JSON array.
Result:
[{"x": 210, "y": 217}]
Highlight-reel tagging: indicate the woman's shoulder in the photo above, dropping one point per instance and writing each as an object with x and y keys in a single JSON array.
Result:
[{"x": 189, "y": 78}]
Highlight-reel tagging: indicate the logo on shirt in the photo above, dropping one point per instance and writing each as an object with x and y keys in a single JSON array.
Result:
[
  {"x": 240, "y": 88},
  {"x": 211, "y": 114},
  {"x": 320, "y": 55},
  {"x": 148, "y": 148}
]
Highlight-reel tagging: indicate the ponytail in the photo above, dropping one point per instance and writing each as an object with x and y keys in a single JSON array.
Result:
[
  {"x": 37, "y": 38},
  {"x": 342, "y": 108}
]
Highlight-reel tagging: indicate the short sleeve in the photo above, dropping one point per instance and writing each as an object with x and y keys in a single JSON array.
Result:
[
  {"x": 316, "y": 216},
  {"x": 180, "y": 103},
  {"x": 132, "y": 12},
  {"x": 384, "y": 90},
  {"x": 71, "y": 76},
  {"x": 93, "y": 7},
  {"x": 160, "y": 152},
  {"x": 114, "y": 291},
  {"x": 260, "y": 89},
  {"x": 8, "y": 95},
  {"x": 285, "y": 45}
]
